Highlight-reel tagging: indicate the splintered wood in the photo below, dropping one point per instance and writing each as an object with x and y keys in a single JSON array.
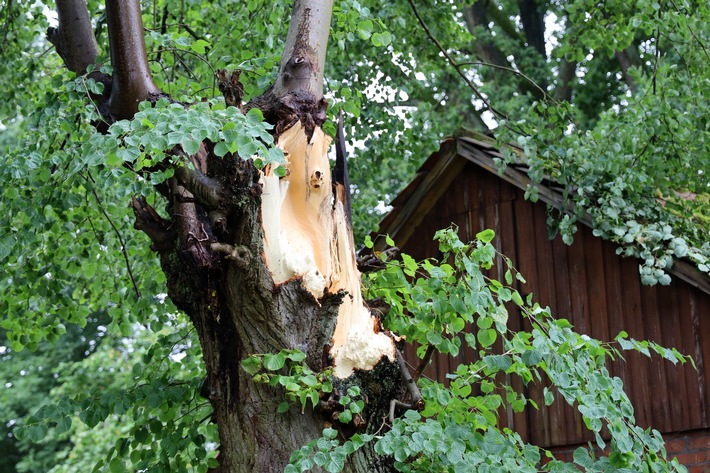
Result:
[{"x": 306, "y": 235}]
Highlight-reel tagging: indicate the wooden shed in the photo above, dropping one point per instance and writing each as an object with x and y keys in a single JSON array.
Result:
[{"x": 598, "y": 291}]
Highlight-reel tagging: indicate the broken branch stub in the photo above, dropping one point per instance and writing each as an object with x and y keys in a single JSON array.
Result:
[{"x": 307, "y": 236}]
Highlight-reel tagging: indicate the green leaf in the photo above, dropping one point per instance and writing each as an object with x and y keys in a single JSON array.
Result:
[
  {"x": 190, "y": 145},
  {"x": 486, "y": 235},
  {"x": 274, "y": 362},
  {"x": 221, "y": 149},
  {"x": 364, "y": 28},
  {"x": 117, "y": 466},
  {"x": 252, "y": 364},
  {"x": 200, "y": 46},
  {"x": 345, "y": 417},
  {"x": 296, "y": 355},
  {"x": 35, "y": 433},
  {"x": 487, "y": 337}
]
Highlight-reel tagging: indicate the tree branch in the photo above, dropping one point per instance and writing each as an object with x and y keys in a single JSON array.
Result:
[
  {"x": 303, "y": 61},
  {"x": 205, "y": 189},
  {"x": 161, "y": 232},
  {"x": 454, "y": 64},
  {"x": 414, "y": 394},
  {"x": 565, "y": 76},
  {"x": 117, "y": 232},
  {"x": 532, "y": 16},
  {"x": 629, "y": 58},
  {"x": 340, "y": 172},
  {"x": 132, "y": 82},
  {"x": 425, "y": 362},
  {"x": 73, "y": 38}
]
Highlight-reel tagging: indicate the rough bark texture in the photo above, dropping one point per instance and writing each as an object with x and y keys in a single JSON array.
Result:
[
  {"x": 304, "y": 52},
  {"x": 238, "y": 310}
]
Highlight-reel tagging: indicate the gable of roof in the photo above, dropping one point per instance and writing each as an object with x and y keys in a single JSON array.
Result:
[{"x": 420, "y": 197}]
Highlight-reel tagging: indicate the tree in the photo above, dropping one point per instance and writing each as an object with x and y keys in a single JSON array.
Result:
[{"x": 255, "y": 246}]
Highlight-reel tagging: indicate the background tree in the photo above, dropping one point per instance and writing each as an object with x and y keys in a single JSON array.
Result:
[{"x": 72, "y": 252}]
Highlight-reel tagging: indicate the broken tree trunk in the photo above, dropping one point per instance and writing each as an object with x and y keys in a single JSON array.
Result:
[{"x": 262, "y": 263}]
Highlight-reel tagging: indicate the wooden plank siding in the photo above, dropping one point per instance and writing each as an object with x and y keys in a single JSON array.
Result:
[{"x": 587, "y": 283}]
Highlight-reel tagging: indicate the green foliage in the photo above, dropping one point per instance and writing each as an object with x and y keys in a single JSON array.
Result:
[
  {"x": 326, "y": 452},
  {"x": 156, "y": 129},
  {"x": 638, "y": 173},
  {"x": 444, "y": 305},
  {"x": 142, "y": 408},
  {"x": 453, "y": 302},
  {"x": 300, "y": 383}
]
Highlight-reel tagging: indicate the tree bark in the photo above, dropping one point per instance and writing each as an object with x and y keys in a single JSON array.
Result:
[
  {"x": 565, "y": 76},
  {"x": 262, "y": 263},
  {"x": 132, "y": 81},
  {"x": 74, "y": 38},
  {"x": 532, "y": 16}
]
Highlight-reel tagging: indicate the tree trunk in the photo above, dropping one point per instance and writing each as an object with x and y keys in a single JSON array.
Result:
[{"x": 262, "y": 263}]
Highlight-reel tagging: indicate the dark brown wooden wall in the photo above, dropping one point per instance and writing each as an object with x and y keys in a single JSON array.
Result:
[{"x": 598, "y": 292}]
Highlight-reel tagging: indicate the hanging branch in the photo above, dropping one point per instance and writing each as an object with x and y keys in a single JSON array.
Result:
[
  {"x": 132, "y": 82},
  {"x": 303, "y": 61},
  {"x": 116, "y": 231}
]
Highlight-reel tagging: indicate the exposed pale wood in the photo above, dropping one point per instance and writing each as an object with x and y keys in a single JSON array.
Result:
[{"x": 306, "y": 236}]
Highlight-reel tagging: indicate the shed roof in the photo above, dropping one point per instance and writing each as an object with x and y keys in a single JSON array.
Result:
[{"x": 439, "y": 170}]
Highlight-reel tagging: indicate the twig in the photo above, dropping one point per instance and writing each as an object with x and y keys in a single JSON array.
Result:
[
  {"x": 454, "y": 64},
  {"x": 509, "y": 69},
  {"x": 425, "y": 362},
  {"x": 394, "y": 403},
  {"x": 118, "y": 234},
  {"x": 702, "y": 45},
  {"x": 414, "y": 393}
]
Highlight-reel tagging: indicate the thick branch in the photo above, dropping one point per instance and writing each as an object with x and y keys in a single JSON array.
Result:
[
  {"x": 563, "y": 90},
  {"x": 341, "y": 181},
  {"x": 205, "y": 189},
  {"x": 303, "y": 60},
  {"x": 74, "y": 38},
  {"x": 160, "y": 231},
  {"x": 532, "y": 16},
  {"x": 132, "y": 82}
]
